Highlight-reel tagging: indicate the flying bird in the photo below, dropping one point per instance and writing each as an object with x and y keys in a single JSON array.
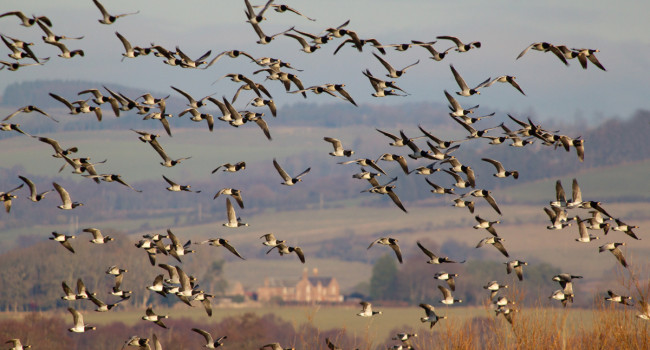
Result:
[
  {"x": 98, "y": 237},
  {"x": 67, "y": 204},
  {"x": 517, "y": 266},
  {"x": 64, "y": 240},
  {"x": 233, "y": 220},
  {"x": 284, "y": 249},
  {"x": 210, "y": 343},
  {"x": 366, "y": 310},
  {"x": 449, "y": 277},
  {"x": 79, "y": 326},
  {"x": 460, "y": 46},
  {"x": 464, "y": 89},
  {"x": 447, "y": 298},
  {"x": 34, "y": 196},
  {"x": 288, "y": 180},
  {"x": 27, "y": 21},
  {"x": 392, "y": 243},
  {"x": 613, "y": 248},
  {"x": 174, "y": 187},
  {"x": 150, "y": 315},
  {"x": 433, "y": 259},
  {"x": 431, "y": 315},
  {"x": 6, "y": 197},
  {"x": 545, "y": 47},
  {"x": 107, "y": 18},
  {"x": 220, "y": 242},
  {"x": 392, "y": 72},
  {"x": 496, "y": 242},
  {"x": 507, "y": 79},
  {"x": 338, "y": 148},
  {"x": 234, "y": 193},
  {"x": 231, "y": 167},
  {"x": 168, "y": 162},
  {"x": 28, "y": 109},
  {"x": 486, "y": 224},
  {"x": 501, "y": 171}
]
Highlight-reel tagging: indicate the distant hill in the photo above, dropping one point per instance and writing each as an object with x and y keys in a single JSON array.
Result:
[{"x": 613, "y": 142}]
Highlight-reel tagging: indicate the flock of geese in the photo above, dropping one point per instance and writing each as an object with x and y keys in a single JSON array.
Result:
[{"x": 437, "y": 152}]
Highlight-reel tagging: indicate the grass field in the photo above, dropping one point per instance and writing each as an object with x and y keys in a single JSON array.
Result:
[
  {"x": 332, "y": 317},
  {"x": 536, "y": 325},
  {"x": 523, "y": 227}
]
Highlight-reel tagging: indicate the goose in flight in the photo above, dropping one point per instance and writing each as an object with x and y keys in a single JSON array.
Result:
[
  {"x": 168, "y": 162},
  {"x": 233, "y": 220},
  {"x": 284, "y": 249},
  {"x": 59, "y": 152},
  {"x": 14, "y": 66},
  {"x": 388, "y": 190},
  {"x": 447, "y": 298},
  {"x": 231, "y": 54},
  {"x": 366, "y": 310},
  {"x": 67, "y": 204},
  {"x": 64, "y": 240},
  {"x": 460, "y": 46},
  {"x": 288, "y": 180},
  {"x": 17, "y": 345},
  {"x": 431, "y": 316},
  {"x": 486, "y": 224},
  {"x": 98, "y": 237},
  {"x": 34, "y": 196},
  {"x": 501, "y": 171},
  {"x": 488, "y": 198},
  {"x": 493, "y": 287},
  {"x": 27, "y": 21},
  {"x": 496, "y": 242},
  {"x": 220, "y": 242},
  {"x": 234, "y": 193},
  {"x": 305, "y": 45},
  {"x": 613, "y": 248},
  {"x": 270, "y": 240},
  {"x": 79, "y": 326},
  {"x": 281, "y": 8},
  {"x": 435, "y": 55},
  {"x": 6, "y": 197},
  {"x": 112, "y": 178},
  {"x": 464, "y": 89},
  {"x": 507, "y": 79},
  {"x": 51, "y": 37},
  {"x": 392, "y": 243},
  {"x": 517, "y": 266},
  {"x": 231, "y": 167},
  {"x": 107, "y": 18},
  {"x": 265, "y": 39},
  {"x": 456, "y": 109},
  {"x": 338, "y": 148},
  {"x": 449, "y": 277},
  {"x": 433, "y": 259},
  {"x": 588, "y": 54},
  {"x": 392, "y": 72},
  {"x": 150, "y": 315},
  {"x": 545, "y": 47},
  {"x": 210, "y": 343},
  {"x": 28, "y": 109}
]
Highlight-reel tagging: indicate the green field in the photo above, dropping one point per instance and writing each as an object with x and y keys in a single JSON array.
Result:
[{"x": 343, "y": 317}]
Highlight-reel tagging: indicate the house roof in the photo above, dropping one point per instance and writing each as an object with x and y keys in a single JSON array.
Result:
[
  {"x": 272, "y": 282},
  {"x": 324, "y": 281}
]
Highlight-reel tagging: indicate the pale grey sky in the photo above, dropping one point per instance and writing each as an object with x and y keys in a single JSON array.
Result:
[{"x": 618, "y": 29}]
